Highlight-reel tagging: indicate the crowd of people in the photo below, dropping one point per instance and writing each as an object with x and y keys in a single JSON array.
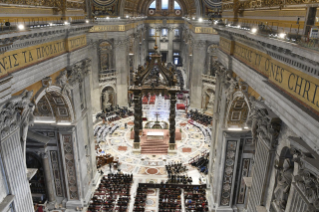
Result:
[
  {"x": 140, "y": 199},
  {"x": 112, "y": 194},
  {"x": 114, "y": 113},
  {"x": 170, "y": 199},
  {"x": 195, "y": 199},
  {"x": 200, "y": 118},
  {"x": 175, "y": 168},
  {"x": 201, "y": 163},
  {"x": 180, "y": 179}
]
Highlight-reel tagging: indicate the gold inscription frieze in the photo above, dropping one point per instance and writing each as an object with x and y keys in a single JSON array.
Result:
[
  {"x": 205, "y": 30},
  {"x": 226, "y": 45},
  {"x": 108, "y": 28},
  {"x": 14, "y": 60},
  {"x": 300, "y": 85}
]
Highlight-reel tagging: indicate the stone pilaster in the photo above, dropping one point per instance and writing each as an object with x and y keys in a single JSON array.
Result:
[
  {"x": 218, "y": 104},
  {"x": 48, "y": 178},
  {"x": 199, "y": 55},
  {"x": 122, "y": 70},
  {"x": 268, "y": 128},
  {"x": 14, "y": 122}
]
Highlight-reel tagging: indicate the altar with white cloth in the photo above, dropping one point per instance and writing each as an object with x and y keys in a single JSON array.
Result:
[{"x": 155, "y": 135}]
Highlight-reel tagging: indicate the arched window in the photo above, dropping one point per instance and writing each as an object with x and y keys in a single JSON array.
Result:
[
  {"x": 153, "y": 5},
  {"x": 176, "y": 6},
  {"x": 164, "y": 4}
]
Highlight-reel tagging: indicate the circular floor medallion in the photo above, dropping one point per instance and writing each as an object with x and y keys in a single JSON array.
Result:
[{"x": 152, "y": 171}]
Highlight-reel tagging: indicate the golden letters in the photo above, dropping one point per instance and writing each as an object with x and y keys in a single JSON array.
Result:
[
  {"x": 14, "y": 60},
  {"x": 298, "y": 84}
]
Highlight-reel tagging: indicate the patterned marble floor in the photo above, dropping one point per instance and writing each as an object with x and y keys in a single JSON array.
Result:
[{"x": 151, "y": 168}]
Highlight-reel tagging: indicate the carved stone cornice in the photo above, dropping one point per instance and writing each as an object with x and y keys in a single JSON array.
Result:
[{"x": 14, "y": 41}]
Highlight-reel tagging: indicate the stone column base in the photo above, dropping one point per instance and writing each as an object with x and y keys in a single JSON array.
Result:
[
  {"x": 136, "y": 145},
  {"x": 172, "y": 149},
  {"x": 172, "y": 146},
  {"x": 74, "y": 204},
  {"x": 51, "y": 205},
  {"x": 136, "y": 148},
  {"x": 172, "y": 152}
]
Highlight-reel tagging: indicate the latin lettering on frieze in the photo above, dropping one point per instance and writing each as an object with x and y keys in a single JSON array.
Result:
[{"x": 294, "y": 82}]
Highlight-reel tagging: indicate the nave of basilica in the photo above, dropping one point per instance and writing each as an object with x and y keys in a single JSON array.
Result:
[{"x": 159, "y": 106}]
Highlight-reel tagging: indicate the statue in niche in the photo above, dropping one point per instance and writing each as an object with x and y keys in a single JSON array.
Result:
[
  {"x": 63, "y": 82},
  {"x": 284, "y": 180},
  {"x": 232, "y": 85},
  {"x": 209, "y": 98},
  {"x": 107, "y": 99}
]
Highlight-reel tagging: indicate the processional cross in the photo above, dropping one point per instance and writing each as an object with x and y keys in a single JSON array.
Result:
[
  {"x": 157, "y": 115},
  {"x": 156, "y": 36}
]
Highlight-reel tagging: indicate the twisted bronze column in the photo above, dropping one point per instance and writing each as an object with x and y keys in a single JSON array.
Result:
[{"x": 172, "y": 122}]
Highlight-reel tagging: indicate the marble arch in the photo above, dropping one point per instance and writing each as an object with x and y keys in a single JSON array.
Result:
[
  {"x": 237, "y": 96},
  {"x": 53, "y": 88}
]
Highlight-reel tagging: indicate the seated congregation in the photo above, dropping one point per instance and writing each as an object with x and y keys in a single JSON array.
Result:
[
  {"x": 113, "y": 193},
  {"x": 170, "y": 197}
]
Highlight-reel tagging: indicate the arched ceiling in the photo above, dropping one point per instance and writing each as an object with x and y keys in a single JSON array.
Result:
[{"x": 140, "y": 7}]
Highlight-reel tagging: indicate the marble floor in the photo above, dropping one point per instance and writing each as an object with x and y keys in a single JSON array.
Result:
[{"x": 151, "y": 168}]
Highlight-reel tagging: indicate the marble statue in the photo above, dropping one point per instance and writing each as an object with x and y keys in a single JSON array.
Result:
[
  {"x": 211, "y": 97},
  {"x": 232, "y": 84},
  {"x": 284, "y": 180},
  {"x": 106, "y": 100},
  {"x": 62, "y": 81},
  {"x": 253, "y": 116},
  {"x": 208, "y": 106}
]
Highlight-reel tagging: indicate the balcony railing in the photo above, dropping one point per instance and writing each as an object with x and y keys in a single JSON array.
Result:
[
  {"x": 293, "y": 33},
  {"x": 106, "y": 76}
]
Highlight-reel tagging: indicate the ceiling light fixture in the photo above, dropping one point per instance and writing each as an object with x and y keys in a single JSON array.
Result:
[
  {"x": 254, "y": 30},
  {"x": 234, "y": 129},
  {"x": 21, "y": 27}
]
